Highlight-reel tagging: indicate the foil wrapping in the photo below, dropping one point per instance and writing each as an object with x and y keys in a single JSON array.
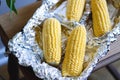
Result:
[{"x": 27, "y": 45}]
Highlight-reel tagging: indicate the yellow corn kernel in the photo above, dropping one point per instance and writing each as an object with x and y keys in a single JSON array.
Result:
[
  {"x": 52, "y": 41},
  {"x": 75, "y": 51},
  {"x": 101, "y": 19},
  {"x": 75, "y": 9}
]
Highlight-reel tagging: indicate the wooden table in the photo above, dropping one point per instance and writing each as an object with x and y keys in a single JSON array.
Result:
[
  {"x": 15, "y": 23},
  {"x": 11, "y": 25}
]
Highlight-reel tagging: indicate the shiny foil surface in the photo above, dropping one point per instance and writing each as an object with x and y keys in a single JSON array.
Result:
[{"x": 27, "y": 44}]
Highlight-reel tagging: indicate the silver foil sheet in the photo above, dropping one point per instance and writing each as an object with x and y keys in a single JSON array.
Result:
[{"x": 29, "y": 51}]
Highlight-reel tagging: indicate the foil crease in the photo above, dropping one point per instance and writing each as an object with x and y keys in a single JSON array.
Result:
[{"x": 24, "y": 46}]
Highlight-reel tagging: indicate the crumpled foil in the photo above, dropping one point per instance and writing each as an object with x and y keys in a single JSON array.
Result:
[{"x": 27, "y": 46}]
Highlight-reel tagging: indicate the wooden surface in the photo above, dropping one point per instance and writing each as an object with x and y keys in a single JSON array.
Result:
[
  {"x": 112, "y": 56},
  {"x": 17, "y": 22},
  {"x": 114, "y": 48},
  {"x": 14, "y": 23}
]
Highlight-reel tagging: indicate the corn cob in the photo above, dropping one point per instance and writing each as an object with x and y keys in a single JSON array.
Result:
[
  {"x": 52, "y": 41},
  {"x": 75, "y": 9},
  {"x": 73, "y": 61},
  {"x": 101, "y": 19}
]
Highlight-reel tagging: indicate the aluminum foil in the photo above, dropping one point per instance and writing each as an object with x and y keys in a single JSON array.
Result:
[{"x": 27, "y": 44}]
